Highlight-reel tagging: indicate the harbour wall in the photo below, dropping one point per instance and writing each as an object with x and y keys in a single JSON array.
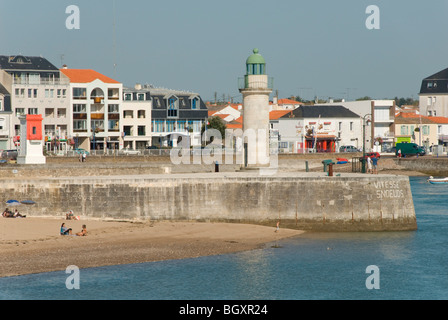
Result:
[
  {"x": 307, "y": 201},
  {"x": 431, "y": 166}
]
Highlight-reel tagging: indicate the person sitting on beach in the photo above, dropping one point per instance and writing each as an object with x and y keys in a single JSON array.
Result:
[
  {"x": 83, "y": 232},
  {"x": 70, "y": 215},
  {"x": 18, "y": 215},
  {"x": 7, "y": 214},
  {"x": 65, "y": 231}
]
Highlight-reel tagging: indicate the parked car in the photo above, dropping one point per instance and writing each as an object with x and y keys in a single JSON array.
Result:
[
  {"x": 372, "y": 154},
  {"x": 348, "y": 149},
  {"x": 391, "y": 150}
]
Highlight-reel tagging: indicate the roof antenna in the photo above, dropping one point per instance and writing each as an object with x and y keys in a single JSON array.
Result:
[{"x": 114, "y": 40}]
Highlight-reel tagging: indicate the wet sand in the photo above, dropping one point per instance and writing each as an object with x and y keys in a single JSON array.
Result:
[{"x": 33, "y": 245}]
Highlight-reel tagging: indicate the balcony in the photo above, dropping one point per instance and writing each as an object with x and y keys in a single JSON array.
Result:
[
  {"x": 256, "y": 82},
  {"x": 41, "y": 81}
]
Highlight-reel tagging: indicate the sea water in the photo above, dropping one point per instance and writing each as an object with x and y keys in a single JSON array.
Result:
[{"x": 409, "y": 265}]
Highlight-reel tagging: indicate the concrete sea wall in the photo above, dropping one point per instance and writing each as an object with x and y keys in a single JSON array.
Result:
[{"x": 308, "y": 201}]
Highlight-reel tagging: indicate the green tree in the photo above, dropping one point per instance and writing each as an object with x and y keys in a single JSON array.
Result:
[{"x": 215, "y": 123}]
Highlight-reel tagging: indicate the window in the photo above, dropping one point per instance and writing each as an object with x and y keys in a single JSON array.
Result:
[
  {"x": 34, "y": 130},
  {"x": 79, "y": 93},
  {"x": 1, "y": 105},
  {"x": 20, "y": 93},
  {"x": 141, "y": 97},
  {"x": 141, "y": 130},
  {"x": 62, "y": 113},
  {"x": 97, "y": 124},
  {"x": 49, "y": 93},
  {"x": 157, "y": 102},
  {"x": 172, "y": 107},
  {"x": 429, "y": 85},
  {"x": 181, "y": 125},
  {"x": 141, "y": 114},
  {"x": 159, "y": 125},
  {"x": 340, "y": 126},
  {"x": 113, "y": 108},
  {"x": 195, "y": 104},
  {"x": 62, "y": 93},
  {"x": 170, "y": 126},
  {"x": 429, "y": 101},
  {"x": 404, "y": 130},
  {"x": 32, "y": 111},
  {"x": 351, "y": 126},
  {"x": 425, "y": 130},
  {"x": 80, "y": 125},
  {"x": 79, "y": 108},
  {"x": 49, "y": 113},
  {"x": 20, "y": 112},
  {"x": 127, "y": 130},
  {"x": 283, "y": 144},
  {"x": 113, "y": 125},
  {"x": 128, "y": 96}
]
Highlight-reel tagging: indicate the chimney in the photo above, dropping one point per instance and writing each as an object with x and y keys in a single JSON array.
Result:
[
  {"x": 138, "y": 86},
  {"x": 64, "y": 66}
]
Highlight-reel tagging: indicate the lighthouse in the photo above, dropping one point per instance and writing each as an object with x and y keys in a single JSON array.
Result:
[{"x": 256, "y": 88}]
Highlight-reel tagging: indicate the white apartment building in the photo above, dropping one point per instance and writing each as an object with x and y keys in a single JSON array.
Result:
[
  {"x": 136, "y": 118},
  {"x": 36, "y": 87},
  {"x": 96, "y": 105}
]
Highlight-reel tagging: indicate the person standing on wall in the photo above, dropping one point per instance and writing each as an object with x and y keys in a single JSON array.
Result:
[{"x": 375, "y": 165}]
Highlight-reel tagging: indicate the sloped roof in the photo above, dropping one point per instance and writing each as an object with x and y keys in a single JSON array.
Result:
[
  {"x": 413, "y": 118},
  {"x": 439, "y": 120},
  {"x": 86, "y": 76},
  {"x": 324, "y": 111},
  {"x": 438, "y": 81},
  {"x": 288, "y": 101},
  {"x": 275, "y": 114},
  {"x": 20, "y": 62}
]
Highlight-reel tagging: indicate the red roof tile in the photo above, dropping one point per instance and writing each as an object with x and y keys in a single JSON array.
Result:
[
  {"x": 275, "y": 114},
  {"x": 86, "y": 76}
]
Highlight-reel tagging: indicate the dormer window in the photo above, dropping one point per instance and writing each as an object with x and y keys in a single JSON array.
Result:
[
  {"x": 173, "y": 106},
  {"x": 195, "y": 103}
]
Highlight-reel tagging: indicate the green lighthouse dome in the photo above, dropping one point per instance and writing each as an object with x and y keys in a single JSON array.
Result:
[
  {"x": 256, "y": 58},
  {"x": 255, "y": 64}
]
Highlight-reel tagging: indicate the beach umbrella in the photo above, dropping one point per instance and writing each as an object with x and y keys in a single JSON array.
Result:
[
  {"x": 28, "y": 202},
  {"x": 12, "y": 203}
]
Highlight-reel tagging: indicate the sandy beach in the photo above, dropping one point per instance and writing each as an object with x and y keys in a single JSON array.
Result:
[{"x": 33, "y": 245}]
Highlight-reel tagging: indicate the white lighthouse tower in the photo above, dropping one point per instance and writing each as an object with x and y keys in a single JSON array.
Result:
[{"x": 256, "y": 88}]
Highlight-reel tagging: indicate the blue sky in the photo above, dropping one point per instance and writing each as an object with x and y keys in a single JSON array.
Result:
[{"x": 312, "y": 48}]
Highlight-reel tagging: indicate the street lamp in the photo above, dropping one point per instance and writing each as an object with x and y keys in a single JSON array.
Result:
[{"x": 364, "y": 142}]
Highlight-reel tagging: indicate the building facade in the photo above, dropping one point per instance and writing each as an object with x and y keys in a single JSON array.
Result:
[
  {"x": 96, "y": 110},
  {"x": 136, "y": 118},
  {"x": 318, "y": 128},
  {"x": 433, "y": 96},
  {"x": 379, "y": 116},
  {"x": 5, "y": 118},
  {"x": 36, "y": 87},
  {"x": 175, "y": 115},
  {"x": 415, "y": 128}
]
